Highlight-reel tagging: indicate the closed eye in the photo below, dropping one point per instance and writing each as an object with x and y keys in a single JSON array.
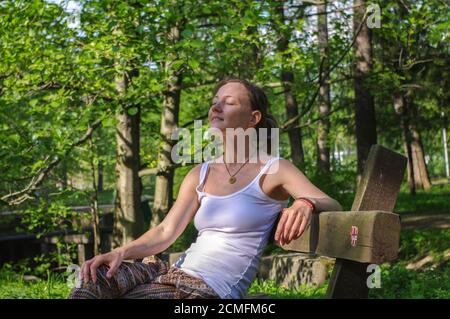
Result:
[{"x": 228, "y": 102}]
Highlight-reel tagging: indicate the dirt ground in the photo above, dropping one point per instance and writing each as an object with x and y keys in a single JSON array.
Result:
[{"x": 419, "y": 221}]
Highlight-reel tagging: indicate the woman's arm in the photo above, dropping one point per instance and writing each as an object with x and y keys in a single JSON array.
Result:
[
  {"x": 162, "y": 236},
  {"x": 156, "y": 239},
  {"x": 296, "y": 218},
  {"x": 325, "y": 204}
]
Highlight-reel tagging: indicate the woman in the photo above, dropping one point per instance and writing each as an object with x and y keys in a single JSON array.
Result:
[{"x": 235, "y": 206}]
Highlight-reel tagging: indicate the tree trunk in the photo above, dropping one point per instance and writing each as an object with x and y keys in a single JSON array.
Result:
[
  {"x": 295, "y": 135},
  {"x": 287, "y": 79},
  {"x": 163, "y": 198},
  {"x": 94, "y": 200},
  {"x": 366, "y": 133},
  {"x": 421, "y": 176},
  {"x": 323, "y": 127},
  {"x": 401, "y": 109},
  {"x": 444, "y": 141},
  {"x": 100, "y": 176},
  {"x": 128, "y": 220}
]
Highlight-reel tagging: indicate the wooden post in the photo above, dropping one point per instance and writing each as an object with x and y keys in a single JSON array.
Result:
[
  {"x": 81, "y": 254},
  {"x": 80, "y": 239},
  {"x": 377, "y": 190},
  {"x": 376, "y": 240}
]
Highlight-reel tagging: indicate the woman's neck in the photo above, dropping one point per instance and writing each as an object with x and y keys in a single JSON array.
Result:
[{"x": 238, "y": 153}]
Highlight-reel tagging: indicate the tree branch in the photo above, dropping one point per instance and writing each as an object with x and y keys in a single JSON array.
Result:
[
  {"x": 19, "y": 197},
  {"x": 289, "y": 122}
]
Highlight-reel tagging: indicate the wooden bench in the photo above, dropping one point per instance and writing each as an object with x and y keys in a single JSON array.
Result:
[{"x": 367, "y": 234}]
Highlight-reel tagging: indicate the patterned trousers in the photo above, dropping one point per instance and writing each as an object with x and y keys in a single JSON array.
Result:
[{"x": 150, "y": 279}]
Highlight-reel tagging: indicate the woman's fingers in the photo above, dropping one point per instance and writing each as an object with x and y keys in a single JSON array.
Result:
[
  {"x": 280, "y": 226},
  {"x": 299, "y": 217},
  {"x": 112, "y": 268},
  {"x": 286, "y": 214},
  {"x": 304, "y": 224},
  {"x": 93, "y": 268},
  {"x": 288, "y": 225},
  {"x": 85, "y": 270}
]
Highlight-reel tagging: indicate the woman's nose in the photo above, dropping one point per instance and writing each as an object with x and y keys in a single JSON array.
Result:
[{"x": 216, "y": 107}]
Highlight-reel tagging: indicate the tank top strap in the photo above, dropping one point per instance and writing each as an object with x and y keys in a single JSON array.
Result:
[
  {"x": 201, "y": 180},
  {"x": 203, "y": 170},
  {"x": 267, "y": 166}
]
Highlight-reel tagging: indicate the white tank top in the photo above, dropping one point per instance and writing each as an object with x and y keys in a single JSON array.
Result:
[{"x": 232, "y": 233}]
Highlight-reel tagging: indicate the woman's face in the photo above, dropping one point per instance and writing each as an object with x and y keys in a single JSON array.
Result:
[{"x": 231, "y": 108}]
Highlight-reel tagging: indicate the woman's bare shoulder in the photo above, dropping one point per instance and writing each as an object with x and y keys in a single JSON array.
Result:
[
  {"x": 283, "y": 169},
  {"x": 283, "y": 164},
  {"x": 193, "y": 176}
]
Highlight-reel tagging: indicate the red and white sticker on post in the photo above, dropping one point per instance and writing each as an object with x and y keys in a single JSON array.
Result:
[{"x": 354, "y": 235}]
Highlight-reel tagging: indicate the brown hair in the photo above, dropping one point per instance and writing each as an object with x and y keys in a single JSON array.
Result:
[{"x": 258, "y": 102}]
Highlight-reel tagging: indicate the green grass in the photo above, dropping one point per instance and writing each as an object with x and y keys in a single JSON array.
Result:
[
  {"x": 416, "y": 244},
  {"x": 432, "y": 280},
  {"x": 271, "y": 289},
  {"x": 401, "y": 283},
  {"x": 14, "y": 286},
  {"x": 397, "y": 282},
  {"x": 432, "y": 201}
]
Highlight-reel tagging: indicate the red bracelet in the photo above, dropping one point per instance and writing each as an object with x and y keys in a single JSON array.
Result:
[{"x": 308, "y": 202}]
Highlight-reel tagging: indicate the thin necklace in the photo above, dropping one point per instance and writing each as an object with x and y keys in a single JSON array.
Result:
[{"x": 232, "y": 178}]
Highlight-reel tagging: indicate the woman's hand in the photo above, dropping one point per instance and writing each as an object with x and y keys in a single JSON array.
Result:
[
  {"x": 112, "y": 260},
  {"x": 293, "y": 222}
]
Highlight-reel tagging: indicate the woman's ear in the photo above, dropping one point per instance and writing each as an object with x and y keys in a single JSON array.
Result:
[{"x": 255, "y": 118}]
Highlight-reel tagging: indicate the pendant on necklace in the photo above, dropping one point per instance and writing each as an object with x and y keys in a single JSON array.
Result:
[{"x": 232, "y": 180}]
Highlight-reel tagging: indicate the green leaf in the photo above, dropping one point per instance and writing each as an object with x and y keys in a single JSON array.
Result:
[
  {"x": 132, "y": 111},
  {"x": 176, "y": 65},
  {"x": 206, "y": 10},
  {"x": 109, "y": 122},
  {"x": 186, "y": 33},
  {"x": 34, "y": 102},
  {"x": 140, "y": 29},
  {"x": 194, "y": 64},
  {"x": 196, "y": 43}
]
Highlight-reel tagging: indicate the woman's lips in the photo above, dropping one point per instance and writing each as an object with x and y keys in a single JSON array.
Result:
[{"x": 216, "y": 118}]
